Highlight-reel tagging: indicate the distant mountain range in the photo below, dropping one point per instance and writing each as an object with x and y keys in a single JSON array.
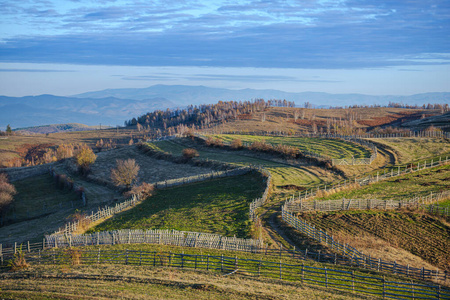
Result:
[{"x": 114, "y": 106}]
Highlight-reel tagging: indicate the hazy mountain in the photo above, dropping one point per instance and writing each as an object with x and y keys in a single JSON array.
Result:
[
  {"x": 48, "y": 109},
  {"x": 114, "y": 106},
  {"x": 185, "y": 95}
]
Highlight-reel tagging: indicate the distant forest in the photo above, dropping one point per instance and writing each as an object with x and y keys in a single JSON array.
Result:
[
  {"x": 169, "y": 122},
  {"x": 202, "y": 116}
]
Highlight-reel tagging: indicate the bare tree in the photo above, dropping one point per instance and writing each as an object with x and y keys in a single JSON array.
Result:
[{"x": 125, "y": 173}]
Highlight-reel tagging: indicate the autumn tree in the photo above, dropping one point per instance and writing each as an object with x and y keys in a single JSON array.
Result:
[
  {"x": 7, "y": 191},
  {"x": 125, "y": 173},
  {"x": 85, "y": 158}
]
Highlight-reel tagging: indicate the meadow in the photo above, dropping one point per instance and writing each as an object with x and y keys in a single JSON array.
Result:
[
  {"x": 333, "y": 148},
  {"x": 218, "y": 206}
]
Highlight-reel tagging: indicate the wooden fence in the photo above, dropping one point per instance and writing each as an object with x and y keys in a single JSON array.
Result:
[
  {"x": 408, "y": 134},
  {"x": 155, "y": 236},
  {"x": 108, "y": 211},
  {"x": 255, "y": 204},
  {"x": 364, "y": 204},
  {"x": 356, "y": 258},
  {"x": 389, "y": 172},
  {"x": 330, "y": 278}
]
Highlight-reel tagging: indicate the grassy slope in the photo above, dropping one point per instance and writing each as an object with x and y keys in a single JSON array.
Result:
[
  {"x": 35, "y": 192},
  {"x": 420, "y": 234},
  {"x": 283, "y": 174},
  {"x": 415, "y": 149},
  {"x": 32, "y": 193},
  {"x": 134, "y": 282},
  {"x": 328, "y": 147},
  {"x": 420, "y": 183},
  {"x": 378, "y": 232},
  {"x": 217, "y": 206}
]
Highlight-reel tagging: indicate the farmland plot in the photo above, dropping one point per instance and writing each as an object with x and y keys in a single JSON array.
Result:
[
  {"x": 218, "y": 206},
  {"x": 333, "y": 148},
  {"x": 284, "y": 173},
  {"x": 420, "y": 234}
]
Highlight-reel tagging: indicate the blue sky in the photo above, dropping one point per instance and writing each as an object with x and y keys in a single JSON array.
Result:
[{"x": 372, "y": 47}]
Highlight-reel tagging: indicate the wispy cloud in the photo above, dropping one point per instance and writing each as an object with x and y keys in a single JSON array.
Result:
[{"x": 263, "y": 33}]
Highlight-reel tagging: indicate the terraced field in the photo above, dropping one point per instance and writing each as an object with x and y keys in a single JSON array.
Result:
[
  {"x": 284, "y": 174},
  {"x": 419, "y": 183},
  {"x": 218, "y": 206},
  {"x": 413, "y": 149},
  {"x": 420, "y": 234},
  {"x": 333, "y": 148}
]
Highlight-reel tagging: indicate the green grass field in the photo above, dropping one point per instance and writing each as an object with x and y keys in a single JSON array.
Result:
[
  {"x": 418, "y": 233},
  {"x": 219, "y": 206},
  {"x": 283, "y": 174},
  {"x": 39, "y": 195},
  {"x": 333, "y": 148},
  {"x": 420, "y": 183},
  {"x": 417, "y": 149}
]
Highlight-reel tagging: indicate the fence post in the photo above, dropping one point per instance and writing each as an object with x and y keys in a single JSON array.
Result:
[
  {"x": 28, "y": 244},
  {"x": 280, "y": 269},
  {"x": 353, "y": 281},
  {"x": 98, "y": 256},
  {"x": 303, "y": 271},
  {"x": 384, "y": 287}
]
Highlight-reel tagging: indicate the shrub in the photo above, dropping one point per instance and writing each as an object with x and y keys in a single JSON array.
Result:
[
  {"x": 236, "y": 144},
  {"x": 261, "y": 146},
  {"x": 143, "y": 190},
  {"x": 18, "y": 262},
  {"x": 190, "y": 153}
]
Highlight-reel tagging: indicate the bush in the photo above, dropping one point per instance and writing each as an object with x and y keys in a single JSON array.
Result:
[
  {"x": 143, "y": 191},
  {"x": 190, "y": 153},
  {"x": 18, "y": 262},
  {"x": 236, "y": 144}
]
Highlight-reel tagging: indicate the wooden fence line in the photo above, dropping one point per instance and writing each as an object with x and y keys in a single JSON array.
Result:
[
  {"x": 295, "y": 205},
  {"x": 392, "y": 172},
  {"x": 410, "y": 134},
  {"x": 356, "y": 258},
  {"x": 108, "y": 211},
  {"x": 155, "y": 236},
  {"x": 326, "y": 277},
  {"x": 255, "y": 204}
]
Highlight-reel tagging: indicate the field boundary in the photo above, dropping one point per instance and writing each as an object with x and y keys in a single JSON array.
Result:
[
  {"x": 400, "y": 170},
  {"x": 108, "y": 211},
  {"x": 324, "y": 158},
  {"x": 410, "y": 134},
  {"x": 299, "y": 205},
  {"x": 358, "y": 258},
  {"x": 329, "y": 278}
]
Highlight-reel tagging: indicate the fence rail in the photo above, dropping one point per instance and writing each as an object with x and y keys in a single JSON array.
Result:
[
  {"x": 409, "y": 134},
  {"x": 356, "y": 258},
  {"x": 391, "y": 172},
  {"x": 108, "y": 211},
  {"x": 155, "y": 236},
  {"x": 330, "y": 278},
  {"x": 365, "y": 204}
]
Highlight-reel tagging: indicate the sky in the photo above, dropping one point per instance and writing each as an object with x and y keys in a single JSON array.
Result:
[{"x": 340, "y": 46}]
